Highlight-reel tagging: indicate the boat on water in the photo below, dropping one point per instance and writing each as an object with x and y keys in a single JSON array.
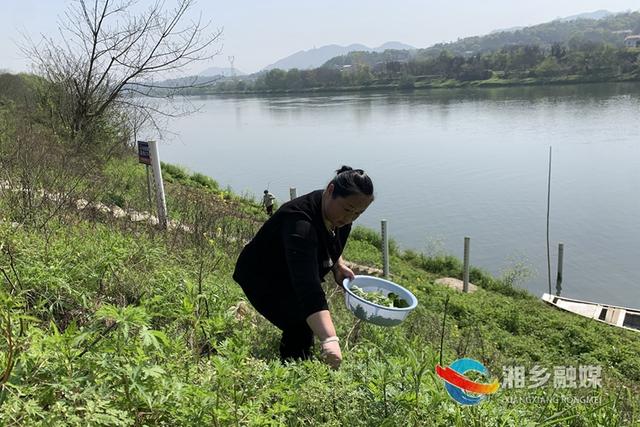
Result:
[{"x": 622, "y": 317}]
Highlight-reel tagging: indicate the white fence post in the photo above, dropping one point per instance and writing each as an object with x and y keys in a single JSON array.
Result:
[
  {"x": 559, "y": 276},
  {"x": 157, "y": 177},
  {"x": 292, "y": 193},
  {"x": 465, "y": 274},
  {"x": 385, "y": 249}
]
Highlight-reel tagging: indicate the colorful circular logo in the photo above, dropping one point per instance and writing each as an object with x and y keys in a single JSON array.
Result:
[{"x": 459, "y": 386}]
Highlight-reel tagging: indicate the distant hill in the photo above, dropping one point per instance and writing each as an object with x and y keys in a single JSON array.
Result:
[
  {"x": 594, "y": 27},
  {"x": 394, "y": 46},
  {"x": 602, "y": 27},
  {"x": 314, "y": 58},
  {"x": 506, "y": 30},
  {"x": 598, "y": 14},
  {"x": 220, "y": 71},
  {"x": 370, "y": 58}
]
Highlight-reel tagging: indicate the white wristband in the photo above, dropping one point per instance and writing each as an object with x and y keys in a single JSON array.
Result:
[{"x": 328, "y": 340}]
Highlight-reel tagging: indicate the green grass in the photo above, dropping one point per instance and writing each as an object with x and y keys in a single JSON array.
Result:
[{"x": 185, "y": 350}]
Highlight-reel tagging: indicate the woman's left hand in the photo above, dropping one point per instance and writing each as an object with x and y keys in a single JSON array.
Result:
[{"x": 341, "y": 272}]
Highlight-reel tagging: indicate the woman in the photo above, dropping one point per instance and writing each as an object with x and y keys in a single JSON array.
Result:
[{"x": 282, "y": 268}]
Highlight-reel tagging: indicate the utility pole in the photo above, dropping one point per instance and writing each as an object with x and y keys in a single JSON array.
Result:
[{"x": 231, "y": 59}]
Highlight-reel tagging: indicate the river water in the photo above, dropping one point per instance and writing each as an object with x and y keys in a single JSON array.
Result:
[{"x": 452, "y": 163}]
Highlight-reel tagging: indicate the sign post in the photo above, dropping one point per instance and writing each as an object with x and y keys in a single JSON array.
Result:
[
  {"x": 148, "y": 154},
  {"x": 143, "y": 153},
  {"x": 144, "y": 158}
]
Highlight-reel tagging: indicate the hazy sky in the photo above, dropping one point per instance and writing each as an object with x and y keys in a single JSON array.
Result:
[{"x": 258, "y": 33}]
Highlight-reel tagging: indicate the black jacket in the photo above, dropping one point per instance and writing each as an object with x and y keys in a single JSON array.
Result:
[{"x": 291, "y": 254}]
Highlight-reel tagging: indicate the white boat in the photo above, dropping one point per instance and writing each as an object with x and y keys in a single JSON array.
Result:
[{"x": 627, "y": 318}]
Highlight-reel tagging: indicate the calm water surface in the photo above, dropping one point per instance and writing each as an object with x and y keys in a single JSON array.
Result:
[{"x": 452, "y": 163}]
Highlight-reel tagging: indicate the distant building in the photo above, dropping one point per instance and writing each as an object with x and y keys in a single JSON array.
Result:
[{"x": 632, "y": 41}]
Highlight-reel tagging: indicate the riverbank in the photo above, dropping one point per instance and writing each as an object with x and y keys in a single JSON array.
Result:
[
  {"x": 424, "y": 83},
  {"x": 115, "y": 322}
]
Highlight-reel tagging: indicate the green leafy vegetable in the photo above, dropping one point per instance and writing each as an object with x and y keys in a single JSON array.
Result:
[{"x": 377, "y": 297}]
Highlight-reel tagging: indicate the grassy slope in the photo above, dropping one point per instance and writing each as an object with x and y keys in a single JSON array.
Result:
[{"x": 117, "y": 324}]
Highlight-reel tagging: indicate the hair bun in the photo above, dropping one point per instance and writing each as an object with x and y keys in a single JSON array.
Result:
[
  {"x": 350, "y": 181},
  {"x": 344, "y": 168}
]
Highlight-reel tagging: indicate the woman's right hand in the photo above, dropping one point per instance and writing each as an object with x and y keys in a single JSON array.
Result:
[{"x": 330, "y": 352}]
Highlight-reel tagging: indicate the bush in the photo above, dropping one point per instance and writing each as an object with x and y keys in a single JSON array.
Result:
[
  {"x": 373, "y": 238},
  {"x": 486, "y": 281},
  {"x": 173, "y": 172},
  {"x": 205, "y": 181},
  {"x": 443, "y": 265},
  {"x": 114, "y": 199}
]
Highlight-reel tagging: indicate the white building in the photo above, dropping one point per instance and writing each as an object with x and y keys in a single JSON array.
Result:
[{"x": 632, "y": 41}]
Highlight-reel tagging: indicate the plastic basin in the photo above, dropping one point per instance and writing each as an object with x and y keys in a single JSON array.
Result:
[{"x": 375, "y": 313}]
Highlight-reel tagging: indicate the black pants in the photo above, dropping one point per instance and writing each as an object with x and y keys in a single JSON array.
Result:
[
  {"x": 296, "y": 343},
  {"x": 270, "y": 210},
  {"x": 283, "y": 312}
]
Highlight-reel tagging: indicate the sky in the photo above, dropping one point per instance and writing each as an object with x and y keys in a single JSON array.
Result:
[{"x": 258, "y": 33}]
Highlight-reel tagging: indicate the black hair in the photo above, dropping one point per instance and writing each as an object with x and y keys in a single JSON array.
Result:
[
  {"x": 349, "y": 181},
  {"x": 266, "y": 191}
]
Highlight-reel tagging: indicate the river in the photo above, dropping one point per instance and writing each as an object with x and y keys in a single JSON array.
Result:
[{"x": 452, "y": 163}]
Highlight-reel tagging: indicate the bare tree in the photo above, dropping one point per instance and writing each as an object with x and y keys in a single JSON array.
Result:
[{"x": 110, "y": 58}]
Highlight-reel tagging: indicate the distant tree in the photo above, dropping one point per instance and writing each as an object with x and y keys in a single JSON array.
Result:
[
  {"x": 109, "y": 54},
  {"x": 361, "y": 74},
  {"x": 241, "y": 86},
  {"x": 604, "y": 60},
  {"x": 328, "y": 77},
  {"x": 294, "y": 79},
  {"x": 395, "y": 67},
  {"x": 579, "y": 42},
  {"x": 359, "y": 57},
  {"x": 558, "y": 51},
  {"x": 444, "y": 63},
  {"x": 276, "y": 79},
  {"x": 15, "y": 87},
  {"x": 473, "y": 69},
  {"x": 549, "y": 67},
  {"x": 578, "y": 61},
  {"x": 406, "y": 82},
  {"x": 628, "y": 60}
]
